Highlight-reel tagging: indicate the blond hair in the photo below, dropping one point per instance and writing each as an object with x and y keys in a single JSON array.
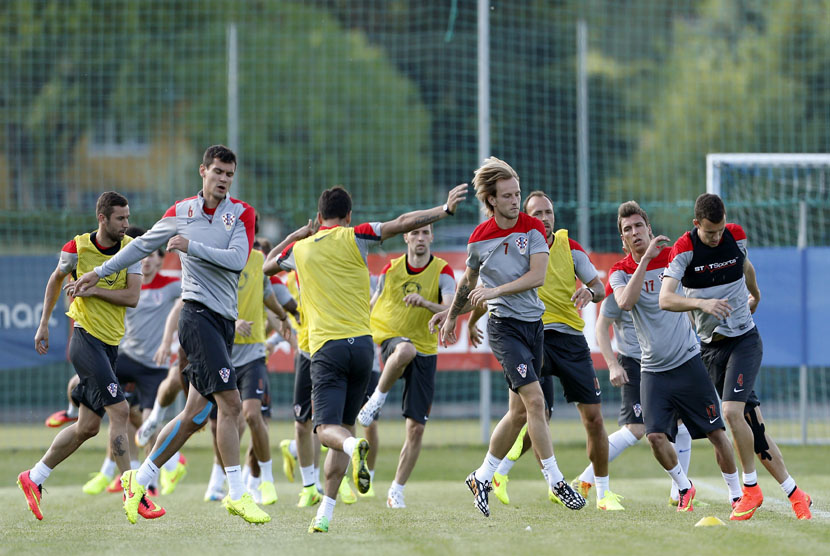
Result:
[{"x": 488, "y": 174}]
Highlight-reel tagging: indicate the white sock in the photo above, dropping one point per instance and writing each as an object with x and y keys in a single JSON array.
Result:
[
  {"x": 395, "y": 487},
  {"x": 236, "y": 488},
  {"x": 317, "y": 482},
  {"x": 751, "y": 479},
  {"x": 157, "y": 414},
  {"x": 733, "y": 484},
  {"x": 379, "y": 396},
  {"x": 246, "y": 473},
  {"x": 505, "y": 466},
  {"x": 147, "y": 473},
  {"x": 265, "y": 472},
  {"x": 788, "y": 486},
  {"x": 372, "y": 475},
  {"x": 292, "y": 448},
  {"x": 253, "y": 483},
  {"x": 348, "y": 445},
  {"x": 171, "y": 464},
  {"x": 679, "y": 477},
  {"x": 217, "y": 478},
  {"x": 307, "y": 473},
  {"x": 134, "y": 464},
  {"x": 602, "y": 486},
  {"x": 39, "y": 473},
  {"x": 488, "y": 467},
  {"x": 683, "y": 447},
  {"x": 618, "y": 442},
  {"x": 72, "y": 410},
  {"x": 551, "y": 471},
  {"x": 108, "y": 468},
  {"x": 326, "y": 507}
]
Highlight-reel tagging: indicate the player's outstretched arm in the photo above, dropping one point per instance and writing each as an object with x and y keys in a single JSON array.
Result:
[
  {"x": 50, "y": 298},
  {"x": 618, "y": 375},
  {"x": 415, "y": 219},
  {"x": 123, "y": 297},
  {"x": 751, "y": 285},
  {"x": 271, "y": 265}
]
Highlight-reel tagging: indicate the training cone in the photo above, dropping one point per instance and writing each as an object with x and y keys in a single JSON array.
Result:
[{"x": 709, "y": 521}]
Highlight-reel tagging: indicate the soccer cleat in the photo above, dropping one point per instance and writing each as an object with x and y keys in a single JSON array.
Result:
[
  {"x": 59, "y": 418},
  {"x": 246, "y": 509},
  {"x": 673, "y": 503},
  {"x": 479, "y": 490},
  {"x": 152, "y": 491},
  {"x": 562, "y": 493},
  {"x": 369, "y": 412},
  {"x": 146, "y": 431},
  {"x": 267, "y": 493},
  {"x": 97, "y": 483},
  {"x": 320, "y": 524},
  {"x": 170, "y": 479},
  {"x": 394, "y": 499},
  {"x": 516, "y": 450},
  {"x": 288, "y": 461},
  {"x": 801, "y": 503},
  {"x": 309, "y": 497},
  {"x": 214, "y": 495},
  {"x": 581, "y": 487},
  {"x": 133, "y": 493},
  {"x": 369, "y": 493},
  {"x": 686, "y": 498},
  {"x": 360, "y": 472},
  {"x": 345, "y": 492},
  {"x": 610, "y": 502},
  {"x": 115, "y": 485},
  {"x": 32, "y": 492},
  {"x": 750, "y": 500},
  {"x": 148, "y": 509},
  {"x": 500, "y": 488}
]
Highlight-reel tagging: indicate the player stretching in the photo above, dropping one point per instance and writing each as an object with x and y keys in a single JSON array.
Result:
[
  {"x": 98, "y": 312},
  {"x": 214, "y": 235},
  {"x": 721, "y": 292},
  {"x": 673, "y": 380},
  {"x": 510, "y": 253},
  {"x": 331, "y": 265},
  {"x": 410, "y": 290}
]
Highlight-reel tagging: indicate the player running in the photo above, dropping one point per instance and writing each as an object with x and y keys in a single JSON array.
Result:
[{"x": 712, "y": 264}]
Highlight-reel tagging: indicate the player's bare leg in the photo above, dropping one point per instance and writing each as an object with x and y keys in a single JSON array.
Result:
[
  {"x": 597, "y": 438},
  {"x": 70, "y": 439}
]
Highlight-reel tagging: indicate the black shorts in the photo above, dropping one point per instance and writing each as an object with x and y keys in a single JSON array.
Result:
[
  {"x": 684, "y": 392},
  {"x": 733, "y": 365},
  {"x": 252, "y": 381},
  {"x": 94, "y": 362},
  {"x": 519, "y": 347},
  {"x": 546, "y": 382},
  {"x": 568, "y": 357},
  {"x": 374, "y": 378},
  {"x": 302, "y": 387},
  {"x": 419, "y": 385},
  {"x": 207, "y": 338},
  {"x": 146, "y": 379},
  {"x": 631, "y": 411},
  {"x": 339, "y": 373}
]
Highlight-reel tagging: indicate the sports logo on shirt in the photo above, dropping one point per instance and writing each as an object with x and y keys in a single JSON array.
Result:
[
  {"x": 638, "y": 410},
  {"x": 521, "y": 243},
  {"x": 112, "y": 389},
  {"x": 522, "y": 369},
  {"x": 224, "y": 374},
  {"x": 228, "y": 219}
]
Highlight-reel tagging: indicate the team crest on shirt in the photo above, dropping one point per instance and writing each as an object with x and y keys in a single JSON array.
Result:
[
  {"x": 112, "y": 389},
  {"x": 638, "y": 410},
  {"x": 521, "y": 243},
  {"x": 297, "y": 409},
  {"x": 522, "y": 369},
  {"x": 224, "y": 374},
  {"x": 228, "y": 219}
]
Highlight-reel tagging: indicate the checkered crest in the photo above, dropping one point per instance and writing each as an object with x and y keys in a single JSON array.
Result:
[
  {"x": 224, "y": 374},
  {"x": 112, "y": 389},
  {"x": 228, "y": 219},
  {"x": 522, "y": 368},
  {"x": 638, "y": 410},
  {"x": 521, "y": 243}
]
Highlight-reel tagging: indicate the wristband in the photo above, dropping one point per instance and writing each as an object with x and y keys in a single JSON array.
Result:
[
  {"x": 592, "y": 292},
  {"x": 447, "y": 210}
]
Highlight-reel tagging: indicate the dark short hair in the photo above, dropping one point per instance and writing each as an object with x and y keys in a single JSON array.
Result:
[
  {"x": 630, "y": 208},
  {"x": 220, "y": 152},
  {"x": 264, "y": 244},
  {"x": 334, "y": 203},
  {"x": 537, "y": 193},
  {"x": 710, "y": 207},
  {"x": 108, "y": 201}
]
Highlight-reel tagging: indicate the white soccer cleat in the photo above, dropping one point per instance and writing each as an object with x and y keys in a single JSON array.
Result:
[
  {"x": 369, "y": 412},
  {"x": 394, "y": 499}
]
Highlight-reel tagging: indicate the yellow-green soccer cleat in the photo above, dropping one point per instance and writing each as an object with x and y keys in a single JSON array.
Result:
[
  {"x": 267, "y": 492},
  {"x": 672, "y": 502},
  {"x": 360, "y": 472},
  {"x": 97, "y": 483},
  {"x": 345, "y": 492},
  {"x": 369, "y": 493},
  {"x": 133, "y": 493},
  {"x": 319, "y": 525},
  {"x": 288, "y": 461},
  {"x": 610, "y": 502},
  {"x": 516, "y": 450},
  {"x": 309, "y": 497},
  {"x": 246, "y": 508},
  {"x": 170, "y": 479},
  {"x": 500, "y": 488}
]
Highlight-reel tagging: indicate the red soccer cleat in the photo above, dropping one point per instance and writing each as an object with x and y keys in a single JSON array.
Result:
[
  {"x": 58, "y": 419},
  {"x": 32, "y": 492},
  {"x": 801, "y": 503},
  {"x": 686, "y": 499},
  {"x": 148, "y": 509},
  {"x": 750, "y": 500}
]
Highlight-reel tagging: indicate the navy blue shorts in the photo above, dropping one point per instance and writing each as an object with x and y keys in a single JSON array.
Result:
[
  {"x": 631, "y": 410},
  {"x": 568, "y": 357},
  {"x": 146, "y": 379},
  {"x": 302, "y": 387},
  {"x": 419, "y": 382}
]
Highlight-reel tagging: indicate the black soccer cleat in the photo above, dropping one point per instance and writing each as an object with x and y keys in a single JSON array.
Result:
[
  {"x": 480, "y": 490},
  {"x": 562, "y": 493}
]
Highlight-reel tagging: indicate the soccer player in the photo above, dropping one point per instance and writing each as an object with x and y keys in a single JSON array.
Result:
[
  {"x": 712, "y": 264},
  {"x": 213, "y": 234},
  {"x": 510, "y": 254},
  {"x": 98, "y": 312},
  {"x": 411, "y": 288},
  {"x": 673, "y": 380},
  {"x": 331, "y": 265}
]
